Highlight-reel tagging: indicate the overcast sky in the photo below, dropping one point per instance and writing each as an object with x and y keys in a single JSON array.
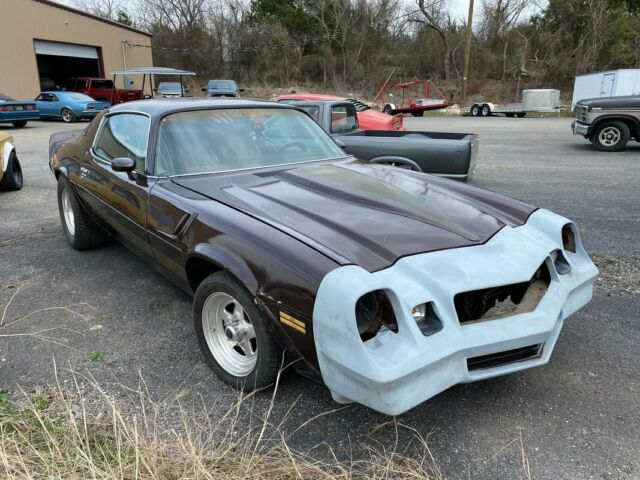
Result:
[{"x": 460, "y": 8}]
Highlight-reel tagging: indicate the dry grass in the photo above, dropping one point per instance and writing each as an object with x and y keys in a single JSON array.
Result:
[{"x": 51, "y": 435}]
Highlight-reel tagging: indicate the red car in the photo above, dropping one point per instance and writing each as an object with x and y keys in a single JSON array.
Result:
[{"x": 368, "y": 119}]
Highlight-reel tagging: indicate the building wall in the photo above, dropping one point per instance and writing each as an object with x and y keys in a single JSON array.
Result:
[{"x": 26, "y": 20}]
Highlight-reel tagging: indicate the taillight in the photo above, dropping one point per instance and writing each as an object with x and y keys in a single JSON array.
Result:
[{"x": 6, "y": 108}]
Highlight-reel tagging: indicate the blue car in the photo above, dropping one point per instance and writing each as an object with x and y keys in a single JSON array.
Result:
[
  {"x": 69, "y": 106},
  {"x": 17, "y": 113}
]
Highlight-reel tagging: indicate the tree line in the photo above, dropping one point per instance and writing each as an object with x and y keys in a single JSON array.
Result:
[{"x": 357, "y": 45}]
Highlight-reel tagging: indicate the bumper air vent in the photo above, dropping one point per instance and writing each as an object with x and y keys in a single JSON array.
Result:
[{"x": 499, "y": 359}]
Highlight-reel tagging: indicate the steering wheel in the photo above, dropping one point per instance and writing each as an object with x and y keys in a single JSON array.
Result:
[{"x": 299, "y": 145}]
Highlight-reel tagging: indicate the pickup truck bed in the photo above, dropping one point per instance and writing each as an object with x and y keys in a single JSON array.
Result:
[{"x": 451, "y": 155}]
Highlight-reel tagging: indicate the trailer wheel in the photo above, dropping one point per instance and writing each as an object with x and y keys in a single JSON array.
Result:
[
  {"x": 510, "y": 115},
  {"x": 485, "y": 111},
  {"x": 388, "y": 110},
  {"x": 417, "y": 113},
  {"x": 475, "y": 110},
  {"x": 521, "y": 114}
]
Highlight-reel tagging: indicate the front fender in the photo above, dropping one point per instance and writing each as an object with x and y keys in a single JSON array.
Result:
[
  {"x": 225, "y": 259},
  {"x": 6, "y": 153}
]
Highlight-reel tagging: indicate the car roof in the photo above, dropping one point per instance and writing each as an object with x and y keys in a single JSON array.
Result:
[
  {"x": 154, "y": 107},
  {"x": 309, "y": 96}
]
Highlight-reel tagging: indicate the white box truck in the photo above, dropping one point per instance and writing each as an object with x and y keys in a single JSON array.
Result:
[{"x": 614, "y": 83}]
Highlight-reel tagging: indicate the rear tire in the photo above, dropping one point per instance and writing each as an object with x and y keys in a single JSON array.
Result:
[
  {"x": 20, "y": 124},
  {"x": 12, "y": 179},
  {"x": 81, "y": 231},
  {"x": 521, "y": 114},
  {"x": 248, "y": 362},
  {"x": 68, "y": 116},
  {"x": 610, "y": 136},
  {"x": 475, "y": 110},
  {"x": 388, "y": 110},
  {"x": 485, "y": 110}
]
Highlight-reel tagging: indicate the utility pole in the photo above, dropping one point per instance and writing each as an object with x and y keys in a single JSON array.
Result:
[{"x": 467, "y": 52}]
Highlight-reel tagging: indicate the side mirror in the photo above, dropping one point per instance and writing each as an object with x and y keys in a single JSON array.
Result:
[
  {"x": 123, "y": 164},
  {"x": 241, "y": 90},
  {"x": 203, "y": 89},
  {"x": 340, "y": 143}
]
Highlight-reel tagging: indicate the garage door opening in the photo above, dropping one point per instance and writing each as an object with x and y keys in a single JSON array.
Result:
[{"x": 59, "y": 61}]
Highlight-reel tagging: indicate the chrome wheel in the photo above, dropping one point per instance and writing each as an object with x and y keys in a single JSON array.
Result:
[
  {"x": 609, "y": 137},
  {"x": 67, "y": 115},
  {"x": 67, "y": 211},
  {"x": 229, "y": 334}
]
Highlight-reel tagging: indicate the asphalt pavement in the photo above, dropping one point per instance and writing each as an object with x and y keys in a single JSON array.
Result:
[{"x": 577, "y": 417}]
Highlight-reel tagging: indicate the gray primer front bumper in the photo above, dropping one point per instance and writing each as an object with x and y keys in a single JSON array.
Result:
[{"x": 392, "y": 373}]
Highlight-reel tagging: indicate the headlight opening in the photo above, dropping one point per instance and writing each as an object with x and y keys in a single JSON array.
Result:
[
  {"x": 374, "y": 313},
  {"x": 568, "y": 238}
]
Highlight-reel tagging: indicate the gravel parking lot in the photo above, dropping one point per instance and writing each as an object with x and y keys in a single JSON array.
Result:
[{"x": 578, "y": 417}]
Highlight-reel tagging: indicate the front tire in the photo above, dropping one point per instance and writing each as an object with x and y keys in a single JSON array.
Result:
[
  {"x": 233, "y": 335},
  {"x": 610, "y": 136},
  {"x": 68, "y": 116},
  {"x": 475, "y": 110},
  {"x": 12, "y": 178},
  {"x": 20, "y": 124},
  {"x": 81, "y": 232}
]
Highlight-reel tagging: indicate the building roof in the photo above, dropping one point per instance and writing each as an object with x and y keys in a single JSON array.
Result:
[{"x": 53, "y": 4}]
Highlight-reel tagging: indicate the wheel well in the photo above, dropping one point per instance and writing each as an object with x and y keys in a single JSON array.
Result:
[
  {"x": 198, "y": 269},
  {"x": 632, "y": 123}
]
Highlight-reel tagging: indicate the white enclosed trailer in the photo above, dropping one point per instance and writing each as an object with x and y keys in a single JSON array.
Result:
[
  {"x": 539, "y": 100},
  {"x": 614, "y": 83}
]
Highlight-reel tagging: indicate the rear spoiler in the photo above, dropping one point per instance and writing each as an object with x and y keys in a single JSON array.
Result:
[{"x": 59, "y": 138}]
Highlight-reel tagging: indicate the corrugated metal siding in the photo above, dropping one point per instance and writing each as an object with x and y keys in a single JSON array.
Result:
[{"x": 24, "y": 21}]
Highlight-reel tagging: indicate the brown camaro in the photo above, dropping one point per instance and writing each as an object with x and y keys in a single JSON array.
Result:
[{"x": 391, "y": 285}]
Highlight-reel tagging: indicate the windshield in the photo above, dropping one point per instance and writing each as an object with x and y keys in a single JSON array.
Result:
[
  {"x": 169, "y": 87},
  {"x": 207, "y": 141},
  {"x": 4, "y": 98},
  {"x": 222, "y": 84}
]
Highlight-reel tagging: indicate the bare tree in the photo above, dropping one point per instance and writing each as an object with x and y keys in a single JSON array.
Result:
[{"x": 436, "y": 16}]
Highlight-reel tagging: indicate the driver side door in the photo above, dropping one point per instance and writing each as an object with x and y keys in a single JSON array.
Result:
[{"x": 119, "y": 199}]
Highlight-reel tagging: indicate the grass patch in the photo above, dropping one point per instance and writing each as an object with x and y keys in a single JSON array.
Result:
[
  {"x": 54, "y": 436},
  {"x": 95, "y": 356}
]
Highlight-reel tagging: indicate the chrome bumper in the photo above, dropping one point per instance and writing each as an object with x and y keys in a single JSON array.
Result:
[{"x": 579, "y": 128}]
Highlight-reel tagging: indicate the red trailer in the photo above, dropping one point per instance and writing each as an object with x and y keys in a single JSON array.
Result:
[{"x": 412, "y": 97}]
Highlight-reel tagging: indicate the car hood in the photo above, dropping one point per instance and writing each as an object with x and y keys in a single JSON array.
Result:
[
  {"x": 631, "y": 101},
  {"x": 364, "y": 214}
]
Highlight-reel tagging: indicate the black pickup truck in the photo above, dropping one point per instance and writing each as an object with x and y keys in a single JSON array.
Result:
[{"x": 451, "y": 155}]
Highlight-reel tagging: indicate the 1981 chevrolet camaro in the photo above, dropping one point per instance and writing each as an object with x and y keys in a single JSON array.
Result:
[{"x": 391, "y": 285}]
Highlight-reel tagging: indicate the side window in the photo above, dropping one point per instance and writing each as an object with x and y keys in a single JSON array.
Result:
[
  {"x": 124, "y": 135},
  {"x": 81, "y": 84},
  {"x": 343, "y": 118},
  {"x": 53, "y": 98}
]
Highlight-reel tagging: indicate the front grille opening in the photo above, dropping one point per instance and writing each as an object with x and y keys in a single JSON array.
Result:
[
  {"x": 503, "y": 301},
  {"x": 494, "y": 360}
]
